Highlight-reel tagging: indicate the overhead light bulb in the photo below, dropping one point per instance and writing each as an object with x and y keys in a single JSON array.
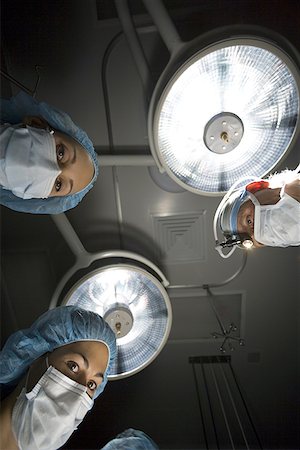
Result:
[{"x": 230, "y": 110}]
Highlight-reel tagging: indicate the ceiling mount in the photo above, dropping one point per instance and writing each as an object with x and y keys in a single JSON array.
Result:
[
  {"x": 223, "y": 132},
  {"x": 120, "y": 319}
]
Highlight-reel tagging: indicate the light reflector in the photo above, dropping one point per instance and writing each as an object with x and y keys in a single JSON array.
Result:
[
  {"x": 253, "y": 84},
  {"x": 136, "y": 306}
]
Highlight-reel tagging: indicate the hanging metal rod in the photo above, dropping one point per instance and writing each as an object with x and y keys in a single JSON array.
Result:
[
  {"x": 214, "y": 285},
  {"x": 135, "y": 46},
  {"x": 233, "y": 403},
  {"x": 222, "y": 406},
  {"x": 126, "y": 160},
  {"x": 200, "y": 406},
  {"x": 164, "y": 24},
  {"x": 17, "y": 83}
]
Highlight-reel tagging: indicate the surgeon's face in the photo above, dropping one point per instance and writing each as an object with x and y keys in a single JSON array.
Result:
[
  {"x": 84, "y": 362},
  {"x": 77, "y": 169},
  {"x": 245, "y": 221}
]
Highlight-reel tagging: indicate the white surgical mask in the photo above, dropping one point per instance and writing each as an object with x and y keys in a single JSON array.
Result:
[
  {"x": 28, "y": 165},
  {"x": 45, "y": 418},
  {"x": 277, "y": 225}
]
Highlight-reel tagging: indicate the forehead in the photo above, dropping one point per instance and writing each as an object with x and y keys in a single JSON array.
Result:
[
  {"x": 93, "y": 353},
  {"x": 60, "y": 136},
  {"x": 246, "y": 209},
  {"x": 92, "y": 349}
]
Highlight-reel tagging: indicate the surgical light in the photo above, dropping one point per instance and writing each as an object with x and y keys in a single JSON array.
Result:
[
  {"x": 230, "y": 110},
  {"x": 136, "y": 306}
]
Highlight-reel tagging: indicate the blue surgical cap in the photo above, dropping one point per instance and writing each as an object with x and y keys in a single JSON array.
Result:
[
  {"x": 131, "y": 440},
  {"x": 13, "y": 111},
  {"x": 229, "y": 213},
  {"x": 55, "y": 328}
]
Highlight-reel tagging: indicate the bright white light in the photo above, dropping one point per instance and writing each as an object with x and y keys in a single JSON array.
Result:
[
  {"x": 247, "y": 244},
  {"x": 109, "y": 286},
  {"x": 147, "y": 300},
  {"x": 251, "y": 82}
]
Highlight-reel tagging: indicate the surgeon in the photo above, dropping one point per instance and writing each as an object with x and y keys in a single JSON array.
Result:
[
  {"x": 47, "y": 163},
  {"x": 52, "y": 373},
  {"x": 131, "y": 440},
  {"x": 262, "y": 213}
]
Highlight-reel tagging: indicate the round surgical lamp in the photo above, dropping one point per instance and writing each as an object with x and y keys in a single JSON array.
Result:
[
  {"x": 228, "y": 110},
  {"x": 130, "y": 295}
]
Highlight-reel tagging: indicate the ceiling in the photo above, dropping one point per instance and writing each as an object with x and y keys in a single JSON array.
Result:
[{"x": 127, "y": 210}]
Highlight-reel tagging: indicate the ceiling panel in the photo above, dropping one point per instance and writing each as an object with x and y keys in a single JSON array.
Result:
[{"x": 196, "y": 317}]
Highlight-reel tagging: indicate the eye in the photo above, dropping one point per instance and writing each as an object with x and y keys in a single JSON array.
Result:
[
  {"x": 73, "y": 366},
  {"x": 91, "y": 385},
  {"x": 249, "y": 220},
  {"x": 58, "y": 184},
  {"x": 60, "y": 152}
]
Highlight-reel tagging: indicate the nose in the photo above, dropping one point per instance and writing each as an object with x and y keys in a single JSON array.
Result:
[
  {"x": 65, "y": 168},
  {"x": 82, "y": 378}
]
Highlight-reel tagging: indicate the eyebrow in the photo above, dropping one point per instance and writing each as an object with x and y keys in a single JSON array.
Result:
[
  {"x": 86, "y": 363},
  {"x": 73, "y": 160},
  {"x": 71, "y": 187}
]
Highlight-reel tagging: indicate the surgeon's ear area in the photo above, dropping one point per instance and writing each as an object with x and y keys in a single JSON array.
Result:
[
  {"x": 35, "y": 121},
  {"x": 293, "y": 189},
  {"x": 36, "y": 371},
  {"x": 257, "y": 244}
]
